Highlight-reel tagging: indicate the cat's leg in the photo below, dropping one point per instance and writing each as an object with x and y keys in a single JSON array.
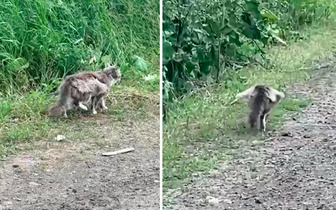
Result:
[
  {"x": 104, "y": 107},
  {"x": 94, "y": 105}
]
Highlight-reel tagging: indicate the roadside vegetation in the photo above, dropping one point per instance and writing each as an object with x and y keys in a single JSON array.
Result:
[
  {"x": 43, "y": 41},
  {"x": 214, "y": 50}
]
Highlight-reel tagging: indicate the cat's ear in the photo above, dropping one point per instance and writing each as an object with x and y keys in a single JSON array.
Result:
[
  {"x": 245, "y": 95},
  {"x": 274, "y": 95}
]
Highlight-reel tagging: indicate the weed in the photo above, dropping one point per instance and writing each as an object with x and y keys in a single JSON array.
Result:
[{"x": 42, "y": 41}]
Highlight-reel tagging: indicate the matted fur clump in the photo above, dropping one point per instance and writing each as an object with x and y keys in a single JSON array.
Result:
[
  {"x": 84, "y": 87},
  {"x": 261, "y": 100}
]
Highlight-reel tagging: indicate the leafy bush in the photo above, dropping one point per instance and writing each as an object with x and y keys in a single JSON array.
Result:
[
  {"x": 42, "y": 40},
  {"x": 201, "y": 39}
]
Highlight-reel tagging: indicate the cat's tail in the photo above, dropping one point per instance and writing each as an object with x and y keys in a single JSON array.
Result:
[{"x": 64, "y": 100}]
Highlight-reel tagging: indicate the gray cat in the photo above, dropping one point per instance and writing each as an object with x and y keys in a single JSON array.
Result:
[
  {"x": 261, "y": 100},
  {"x": 85, "y": 87}
]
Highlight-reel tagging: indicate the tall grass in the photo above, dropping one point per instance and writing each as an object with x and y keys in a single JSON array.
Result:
[{"x": 43, "y": 40}]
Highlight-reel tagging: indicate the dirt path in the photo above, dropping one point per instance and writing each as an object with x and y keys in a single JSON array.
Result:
[
  {"x": 295, "y": 169},
  {"x": 73, "y": 174}
]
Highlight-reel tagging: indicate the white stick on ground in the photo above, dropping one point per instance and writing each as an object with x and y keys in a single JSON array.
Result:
[{"x": 118, "y": 152}]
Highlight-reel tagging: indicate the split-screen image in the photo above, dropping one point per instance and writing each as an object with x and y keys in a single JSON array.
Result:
[
  {"x": 167, "y": 105},
  {"x": 79, "y": 104}
]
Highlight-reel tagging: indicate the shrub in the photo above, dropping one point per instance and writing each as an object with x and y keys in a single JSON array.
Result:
[{"x": 203, "y": 39}]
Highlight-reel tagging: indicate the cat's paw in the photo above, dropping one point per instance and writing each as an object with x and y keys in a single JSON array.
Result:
[{"x": 83, "y": 107}]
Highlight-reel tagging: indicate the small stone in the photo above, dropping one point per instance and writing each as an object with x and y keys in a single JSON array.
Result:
[
  {"x": 212, "y": 200},
  {"x": 227, "y": 201},
  {"x": 289, "y": 134},
  {"x": 214, "y": 173},
  {"x": 244, "y": 197},
  {"x": 332, "y": 147},
  {"x": 306, "y": 136},
  {"x": 60, "y": 138}
]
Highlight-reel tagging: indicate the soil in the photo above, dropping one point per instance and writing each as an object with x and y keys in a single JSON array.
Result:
[
  {"x": 295, "y": 169},
  {"x": 74, "y": 175}
]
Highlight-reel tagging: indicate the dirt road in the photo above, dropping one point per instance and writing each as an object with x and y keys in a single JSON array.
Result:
[
  {"x": 294, "y": 169},
  {"x": 72, "y": 174}
]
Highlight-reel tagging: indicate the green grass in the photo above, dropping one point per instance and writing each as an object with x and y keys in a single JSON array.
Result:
[
  {"x": 203, "y": 130},
  {"x": 43, "y": 41},
  {"x": 24, "y": 118}
]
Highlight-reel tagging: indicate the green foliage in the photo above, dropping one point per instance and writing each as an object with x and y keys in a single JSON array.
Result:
[
  {"x": 5, "y": 108},
  {"x": 42, "y": 40},
  {"x": 140, "y": 64},
  {"x": 201, "y": 39}
]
